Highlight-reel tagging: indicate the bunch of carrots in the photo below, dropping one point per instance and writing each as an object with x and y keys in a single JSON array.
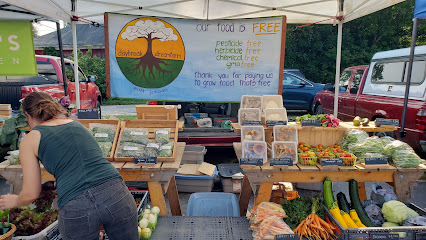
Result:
[{"x": 313, "y": 227}]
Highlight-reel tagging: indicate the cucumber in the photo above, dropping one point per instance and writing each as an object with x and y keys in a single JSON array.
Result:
[
  {"x": 327, "y": 190},
  {"x": 356, "y": 204},
  {"x": 343, "y": 202}
]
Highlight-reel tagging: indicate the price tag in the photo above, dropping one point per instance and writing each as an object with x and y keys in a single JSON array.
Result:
[
  {"x": 387, "y": 122},
  {"x": 101, "y": 135},
  {"x": 281, "y": 161},
  {"x": 287, "y": 236},
  {"x": 54, "y": 234},
  {"x": 236, "y": 185},
  {"x": 384, "y": 236},
  {"x": 129, "y": 148},
  {"x": 251, "y": 161},
  {"x": 273, "y": 123},
  {"x": 161, "y": 132},
  {"x": 165, "y": 147},
  {"x": 140, "y": 159},
  {"x": 137, "y": 133},
  {"x": 331, "y": 162},
  {"x": 153, "y": 145},
  {"x": 376, "y": 160},
  {"x": 251, "y": 123},
  {"x": 90, "y": 113},
  {"x": 311, "y": 123}
]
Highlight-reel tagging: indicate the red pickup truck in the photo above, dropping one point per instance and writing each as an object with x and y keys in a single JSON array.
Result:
[
  {"x": 377, "y": 91},
  {"x": 50, "y": 80}
]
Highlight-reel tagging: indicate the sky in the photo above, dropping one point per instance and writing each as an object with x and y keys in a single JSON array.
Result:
[{"x": 45, "y": 27}]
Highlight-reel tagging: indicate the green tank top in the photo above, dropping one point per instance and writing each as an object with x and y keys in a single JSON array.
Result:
[{"x": 71, "y": 154}]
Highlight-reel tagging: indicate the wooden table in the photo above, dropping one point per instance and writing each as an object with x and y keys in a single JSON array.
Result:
[
  {"x": 262, "y": 178},
  {"x": 160, "y": 178}
]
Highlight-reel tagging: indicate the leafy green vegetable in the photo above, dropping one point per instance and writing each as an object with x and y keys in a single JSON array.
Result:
[
  {"x": 151, "y": 150},
  {"x": 104, "y": 133},
  {"x": 136, "y": 135},
  {"x": 166, "y": 150},
  {"x": 106, "y": 148},
  {"x": 129, "y": 149},
  {"x": 9, "y": 131},
  {"x": 162, "y": 136},
  {"x": 395, "y": 146},
  {"x": 370, "y": 145},
  {"x": 298, "y": 209},
  {"x": 406, "y": 159},
  {"x": 352, "y": 137},
  {"x": 397, "y": 212}
]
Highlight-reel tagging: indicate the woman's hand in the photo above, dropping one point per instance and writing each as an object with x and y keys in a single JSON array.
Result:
[{"x": 8, "y": 201}]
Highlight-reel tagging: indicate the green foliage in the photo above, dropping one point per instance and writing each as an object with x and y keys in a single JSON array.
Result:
[
  {"x": 93, "y": 65},
  {"x": 9, "y": 131},
  {"x": 122, "y": 101},
  {"x": 51, "y": 51},
  {"x": 312, "y": 49}
]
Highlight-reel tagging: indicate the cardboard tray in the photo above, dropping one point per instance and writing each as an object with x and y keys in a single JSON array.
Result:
[
  {"x": 151, "y": 125},
  {"x": 116, "y": 122}
]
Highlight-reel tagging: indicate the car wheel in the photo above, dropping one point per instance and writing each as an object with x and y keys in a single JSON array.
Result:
[
  {"x": 98, "y": 106},
  {"x": 319, "y": 110}
]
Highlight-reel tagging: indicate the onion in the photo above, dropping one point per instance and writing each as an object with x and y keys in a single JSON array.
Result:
[
  {"x": 155, "y": 210},
  {"x": 143, "y": 223}
]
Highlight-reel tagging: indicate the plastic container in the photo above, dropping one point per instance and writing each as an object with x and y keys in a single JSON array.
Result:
[
  {"x": 255, "y": 149},
  {"x": 272, "y": 101},
  {"x": 190, "y": 118},
  {"x": 248, "y": 114},
  {"x": 216, "y": 204},
  {"x": 251, "y": 101},
  {"x": 191, "y": 184},
  {"x": 193, "y": 154},
  {"x": 41, "y": 235},
  {"x": 227, "y": 173},
  {"x": 252, "y": 133},
  {"x": 284, "y": 150},
  {"x": 285, "y": 133},
  {"x": 276, "y": 114}
]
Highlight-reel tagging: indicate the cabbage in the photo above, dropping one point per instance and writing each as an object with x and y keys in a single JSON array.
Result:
[
  {"x": 397, "y": 212},
  {"x": 390, "y": 224}
]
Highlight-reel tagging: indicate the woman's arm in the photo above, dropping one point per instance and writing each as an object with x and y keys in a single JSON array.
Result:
[{"x": 31, "y": 188}]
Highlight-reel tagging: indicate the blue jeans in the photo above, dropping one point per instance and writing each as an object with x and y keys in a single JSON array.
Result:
[{"x": 109, "y": 204}]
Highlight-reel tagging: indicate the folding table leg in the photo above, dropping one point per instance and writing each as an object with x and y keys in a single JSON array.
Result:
[{"x": 157, "y": 197}]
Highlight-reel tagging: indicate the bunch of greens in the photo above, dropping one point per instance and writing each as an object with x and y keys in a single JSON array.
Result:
[
  {"x": 151, "y": 150},
  {"x": 361, "y": 158},
  {"x": 103, "y": 132},
  {"x": 406, "y": 159},
  {"x": 310, "y": 117},
  {"x": 162, "y": 136},
  {"x": 32, "y": 221},
  {"x": 352, "y": 137},
  {"x": 298, "y": 209},
  {"x": 166, "y": 150},
  {"x": 395, "y": 146},
  {"x": 136, "y": 135},
  {"x": 370, "y": 145},
  {"x": 128, "y": 149},
  {"x": 9, "y": 131},
  {"x": 106, "y": 148}
]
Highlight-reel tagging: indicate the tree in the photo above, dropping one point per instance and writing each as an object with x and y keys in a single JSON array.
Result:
[
  {"x": 51, "y": 51},
  {"x": 150, "y": 30},
  {"x": 93, "y": 65}
]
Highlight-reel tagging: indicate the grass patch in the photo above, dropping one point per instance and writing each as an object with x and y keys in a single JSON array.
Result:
[
  {"x": 122, "y": 101},
  {"x": 121, "y": 117}
]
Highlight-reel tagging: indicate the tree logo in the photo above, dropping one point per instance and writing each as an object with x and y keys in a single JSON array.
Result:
[{"x": 150, "y": 52}]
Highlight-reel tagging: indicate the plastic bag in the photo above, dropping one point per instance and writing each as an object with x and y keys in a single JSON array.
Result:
[
  {"x": 386, "y": 140},
  {"x": 370, "y": 145},
  {"x": 264, "y": 210},
  {"x": 381, "y": 195},
  {"x": 270, "y": 227},
  {"x": 361, "y": 158},
  {"x": 166, "y": 150},
  {"x": 406, "y": 159},
  {"x": 353, "y": 136},
  {"x": 136, "y": 135},
  {"x": 151, "y": 150},
  {"x": 375, "y": 214},
  {"x": 162, "y": 136},
  {"x": 129, "y": 149},
  {"x": 204, "y": 123},
  {"x": 396, "y": 145},
  {"x": 106, "y": 148},
  {"x": 103, "y": 132},
  {"x": 415, "y": 221}
]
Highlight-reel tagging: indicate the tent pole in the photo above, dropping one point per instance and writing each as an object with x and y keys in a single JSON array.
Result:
[
  {"x": 402, "y": 132},
  {"x": 61, "y": 53},
  {"x": 74, "y": 45},
  {"x": 338, "y": 60}
]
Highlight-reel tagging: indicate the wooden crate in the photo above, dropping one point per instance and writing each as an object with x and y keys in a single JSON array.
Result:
[
  {"x": 5, "y": 113},
  {"x": 320, "y": 135},
  {"x": 116, "y": 122},
  {"x": 161, "y": 112},
  {"x": 151, "y": 125}
]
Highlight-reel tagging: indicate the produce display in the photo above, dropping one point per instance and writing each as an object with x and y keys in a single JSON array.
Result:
[
  {"x": 104, "y": 135},
  {"x": 148, "y": 222},
  {"x": 267, "y": 221},
  {"x": 13, "y": 157},
  {"x": 327, "y": 120},
  {"x": 298, "y": 209},
  {"x": 285, "y": 133},
  {"x": 311, "y": 155},
  {"x": 284, "y": 150}
]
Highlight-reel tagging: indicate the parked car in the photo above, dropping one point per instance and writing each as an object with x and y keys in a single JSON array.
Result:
[
  {"x": 50, "y": 80},
  {"x": 299, "y": 92},
  {"x": 377, "y": 91}
]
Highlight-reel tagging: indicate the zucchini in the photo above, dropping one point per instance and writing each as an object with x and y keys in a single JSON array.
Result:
[
  {"x": 327, "y": 190},
  {"x": 343, "y": 202},
  {"x": 356, "y": 204}
]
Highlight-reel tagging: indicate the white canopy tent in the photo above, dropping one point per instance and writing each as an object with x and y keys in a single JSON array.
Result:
[{"x": 297, "y": 12}]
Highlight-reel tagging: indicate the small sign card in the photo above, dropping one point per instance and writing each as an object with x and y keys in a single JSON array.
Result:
[
  {"x": 331, "y": 162},
  {"x": 54, "y": 234},
  {"x": 140, "y": 159},
  {"x": 251, "y": 161},
  {"x": 384, "y": 236},
  {"x": 281, "y": 161},
  {"x": 273, "y": 123},
  {"x": 311, "y": 123},
  {"x": 251, "y": 123},
  {"x": 294, "y": 236},
  {"x": 387, "y": 122},
  {"x": 90, "y": 113},
  {"x": 376, "y": 160}
]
